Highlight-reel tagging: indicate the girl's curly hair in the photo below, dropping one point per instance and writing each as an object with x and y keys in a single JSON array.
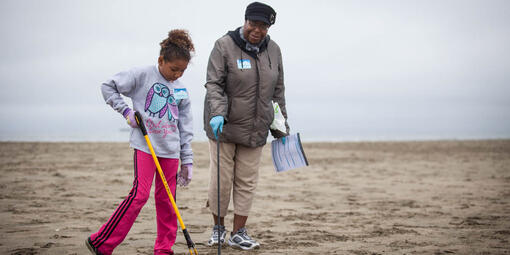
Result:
[{"x": 178, "y": 45}]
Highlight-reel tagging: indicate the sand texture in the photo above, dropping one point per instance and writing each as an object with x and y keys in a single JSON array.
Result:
[{"x": 436, "y": 197}]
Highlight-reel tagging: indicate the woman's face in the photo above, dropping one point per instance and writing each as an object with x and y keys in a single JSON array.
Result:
[
  {"x": 254, "y": 31},
  {"x": 172, "y": 70}
]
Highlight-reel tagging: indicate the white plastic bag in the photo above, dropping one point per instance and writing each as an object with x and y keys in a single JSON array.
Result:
[{"x": 279, "y": 120}]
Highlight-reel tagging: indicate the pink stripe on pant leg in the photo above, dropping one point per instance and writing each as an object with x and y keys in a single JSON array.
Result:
[
  {"x": 165, "y": 215},
  {"x": 115, "y": 230}
]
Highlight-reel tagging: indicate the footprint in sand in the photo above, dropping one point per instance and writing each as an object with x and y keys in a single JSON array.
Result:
[{"x": 24, "y": 251}]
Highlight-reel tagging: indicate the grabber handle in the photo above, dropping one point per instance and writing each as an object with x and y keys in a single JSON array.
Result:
[{"x": 139, "y": 122}]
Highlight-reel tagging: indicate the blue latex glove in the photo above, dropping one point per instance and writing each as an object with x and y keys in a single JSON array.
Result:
[
  {"x": 217, "y": 123},
  {"x": 284, "y": 139}
]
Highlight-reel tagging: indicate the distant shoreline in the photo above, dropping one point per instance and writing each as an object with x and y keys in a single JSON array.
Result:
[{"x": 305, "y": 142}]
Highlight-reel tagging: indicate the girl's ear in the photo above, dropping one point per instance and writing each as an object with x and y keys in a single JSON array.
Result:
[{"x": 160, "y": 60}]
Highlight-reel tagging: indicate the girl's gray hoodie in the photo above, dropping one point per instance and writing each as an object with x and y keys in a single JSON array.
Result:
[{"x": 165, "y": 108}]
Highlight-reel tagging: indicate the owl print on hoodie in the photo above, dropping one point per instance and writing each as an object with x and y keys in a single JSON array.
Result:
[{"x": 160, "y": 100}]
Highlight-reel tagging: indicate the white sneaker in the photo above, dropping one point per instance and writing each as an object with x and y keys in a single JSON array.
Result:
[
  {"x": 242, "y": 240},
  {"x": 214, "y": 236}
]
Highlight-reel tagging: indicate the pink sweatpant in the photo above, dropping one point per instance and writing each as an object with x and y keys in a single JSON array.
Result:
[{"x": 113, "y": 232}]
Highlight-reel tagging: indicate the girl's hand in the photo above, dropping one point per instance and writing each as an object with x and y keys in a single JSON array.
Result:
[
  {"x": 130, "y": 118},
  {"x": 184, "y": 176}
]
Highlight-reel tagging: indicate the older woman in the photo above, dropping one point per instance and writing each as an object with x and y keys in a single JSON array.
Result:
[{"x": 244, "y": 75}]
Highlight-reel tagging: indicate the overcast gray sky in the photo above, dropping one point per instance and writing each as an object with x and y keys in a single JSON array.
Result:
[{"x": 354, "y": 70}]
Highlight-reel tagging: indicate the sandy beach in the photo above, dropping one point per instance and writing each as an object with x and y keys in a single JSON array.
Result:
[{"x": 434, "y": 197}]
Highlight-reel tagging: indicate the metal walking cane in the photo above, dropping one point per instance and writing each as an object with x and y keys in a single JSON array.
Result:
[
  {"x": 218, "y": 180},
  {"x": 191, "y": 245}
]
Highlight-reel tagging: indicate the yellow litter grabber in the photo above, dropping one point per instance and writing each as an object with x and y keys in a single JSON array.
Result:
[{"x": 191, "y": 245}]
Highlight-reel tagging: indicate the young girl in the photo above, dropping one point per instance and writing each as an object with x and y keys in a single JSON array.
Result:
[{"x": 164, "y": 105}]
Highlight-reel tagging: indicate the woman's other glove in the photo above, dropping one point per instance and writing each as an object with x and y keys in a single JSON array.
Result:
[
  {"x": 130, "y": 117},
  {"x": 184, "y": 176},
  {"x": 217, "y": 123},
  {"x": 278, "y": 134}
]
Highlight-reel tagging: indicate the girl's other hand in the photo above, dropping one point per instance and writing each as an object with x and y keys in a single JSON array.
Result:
[{"x": 184, "y": 176}]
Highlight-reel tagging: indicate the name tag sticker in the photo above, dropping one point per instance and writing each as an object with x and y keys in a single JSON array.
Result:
[
  {"x": 243, "y": 64},
  {"x": 180, "y": 93}
]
